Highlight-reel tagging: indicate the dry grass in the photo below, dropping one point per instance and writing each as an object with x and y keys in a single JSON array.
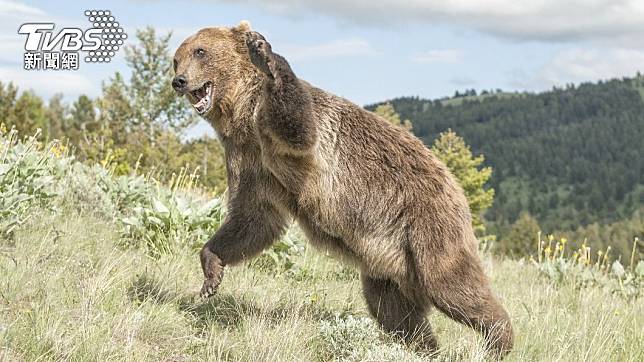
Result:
[{"x": 67, "y": 292}]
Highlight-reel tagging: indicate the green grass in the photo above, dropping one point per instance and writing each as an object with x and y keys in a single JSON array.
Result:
[{"x": 67, "y": 292}]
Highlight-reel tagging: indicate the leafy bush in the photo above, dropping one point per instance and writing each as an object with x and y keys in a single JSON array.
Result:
[
  {"x": 159, "y": 218},
  {"x": 168, "y": 221},
  {"x": 27, "y": 178},
  {"x": 579, "y": 268},
  {"x": 124, "y": 192},
  {"x": 279, "y": 257}
]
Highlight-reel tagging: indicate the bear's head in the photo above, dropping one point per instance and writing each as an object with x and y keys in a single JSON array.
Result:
[{"x": 212, "y": 68}]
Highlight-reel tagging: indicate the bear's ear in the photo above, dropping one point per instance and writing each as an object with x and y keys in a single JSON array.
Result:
[
  {"x": 243, "y": 27},
  {"x": 239, "y": 34}
]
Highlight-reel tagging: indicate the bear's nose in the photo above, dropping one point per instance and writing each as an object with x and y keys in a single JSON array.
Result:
[{"x": 179, "y": 83}]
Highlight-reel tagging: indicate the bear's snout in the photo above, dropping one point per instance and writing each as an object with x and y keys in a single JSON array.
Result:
[{"x": 179, "y": 83}]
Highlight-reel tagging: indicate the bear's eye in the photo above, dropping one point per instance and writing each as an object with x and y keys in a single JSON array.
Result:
[{"x": 199, "y": 52}]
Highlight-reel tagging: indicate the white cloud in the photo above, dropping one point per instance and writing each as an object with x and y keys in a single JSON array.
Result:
[
  {"x": 12, "y": 14},
  {"x": 549, "y": 20},
  {"x": 18, "y": 9},
  {"x": 582, "y": 64},
  {"x": 449, "y": 56},
  {"x": 335, "y": 49}
]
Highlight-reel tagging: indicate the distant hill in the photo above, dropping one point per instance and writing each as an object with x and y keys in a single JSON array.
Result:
[{"x": 569, "y": 156}]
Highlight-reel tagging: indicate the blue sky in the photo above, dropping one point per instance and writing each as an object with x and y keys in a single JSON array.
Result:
[{"x": 369, "y": 51}]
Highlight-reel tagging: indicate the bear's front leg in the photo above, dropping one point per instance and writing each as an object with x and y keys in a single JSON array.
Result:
[
  {"x": 213, "y": 271},
  {"x": 252, "y": 225},
  {"x": 286, "y": 107}
]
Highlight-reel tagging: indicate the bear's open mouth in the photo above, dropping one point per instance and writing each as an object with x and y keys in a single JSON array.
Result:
[{"x": 202, "y": 98}]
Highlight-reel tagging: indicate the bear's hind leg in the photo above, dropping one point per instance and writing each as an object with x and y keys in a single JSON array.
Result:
[
  {"x": 397, "y": 314},
  {"x": 465, "y": 296}
]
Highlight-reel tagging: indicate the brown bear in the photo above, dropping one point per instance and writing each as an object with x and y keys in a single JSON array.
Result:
[{"x": 357, "y": 185}]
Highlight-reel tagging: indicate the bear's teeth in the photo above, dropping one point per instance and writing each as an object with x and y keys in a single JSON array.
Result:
[
  {"x": 203, "y": 96},
  {"x": 203, "y": 104}
]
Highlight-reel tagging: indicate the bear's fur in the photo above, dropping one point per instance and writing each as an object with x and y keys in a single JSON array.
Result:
[{"x": 357, "y": 185}]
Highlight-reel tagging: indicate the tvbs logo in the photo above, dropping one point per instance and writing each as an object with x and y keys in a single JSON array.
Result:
[{"x": 46, "y": 50}]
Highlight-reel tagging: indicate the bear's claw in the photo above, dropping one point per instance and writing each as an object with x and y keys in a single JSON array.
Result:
[
  {"x": 259, "y": 51},
  {"x": 209, "y": 288}
]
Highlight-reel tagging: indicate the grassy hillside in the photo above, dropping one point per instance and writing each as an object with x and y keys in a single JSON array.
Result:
[
  {"x": 571, "y": 157},
  {"x": 97, "y": 267},
  {"x": 68, "y": 293}
]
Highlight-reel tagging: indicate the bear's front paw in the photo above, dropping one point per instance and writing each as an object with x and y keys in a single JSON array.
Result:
[
  {"x": 259, "y": 51},
  {"x": 209, "y": 287}
]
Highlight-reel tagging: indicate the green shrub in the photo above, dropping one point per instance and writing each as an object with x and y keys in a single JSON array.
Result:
[
  {"x": 279, "y": 257},
  {"x": 167, "y": 221},
  {"x": 580, "y": 268},
  {"x": 125, "y": 192},
  {"x": 27, "y": 178}
]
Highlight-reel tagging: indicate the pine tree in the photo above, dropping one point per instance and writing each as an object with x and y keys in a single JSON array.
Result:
[
  {"x": 388, "y": 112},
  {"x": 456, "y": 154}
]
